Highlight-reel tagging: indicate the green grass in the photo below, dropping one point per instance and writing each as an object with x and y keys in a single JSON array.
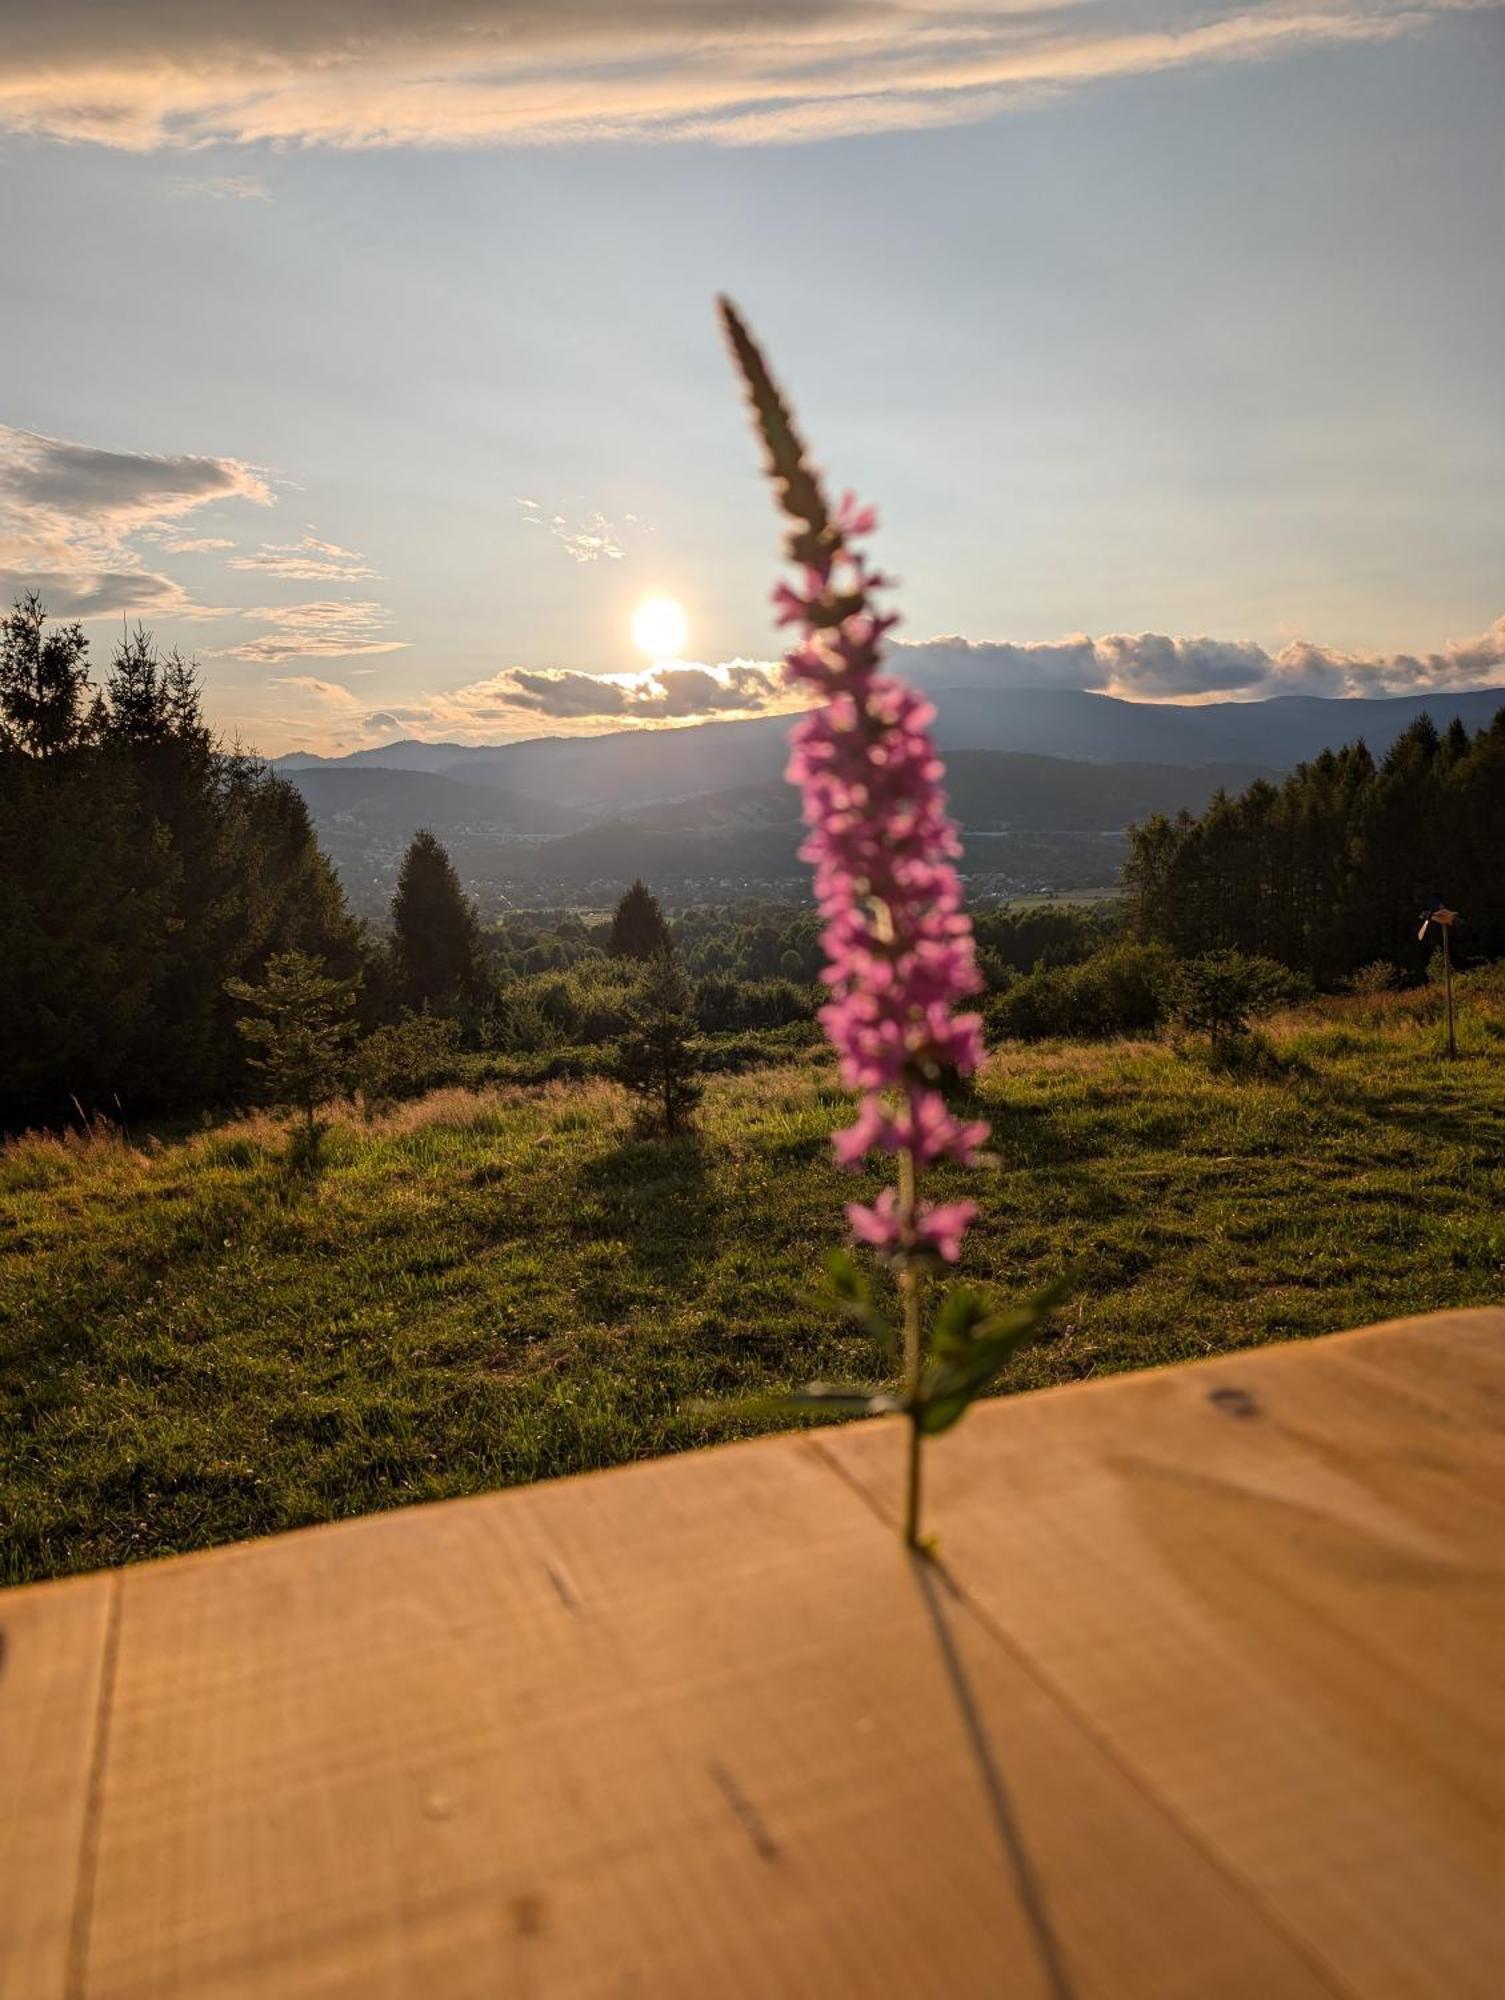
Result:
[{"x": 495, "y": 1287}]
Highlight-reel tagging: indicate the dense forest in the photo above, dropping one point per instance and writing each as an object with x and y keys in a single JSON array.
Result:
[
  {"x": 1326, "y": 873},
  {"x": 144, "y": 866}
]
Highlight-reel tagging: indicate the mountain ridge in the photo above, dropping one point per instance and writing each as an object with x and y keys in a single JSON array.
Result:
[{"x": 620, "y": 768}]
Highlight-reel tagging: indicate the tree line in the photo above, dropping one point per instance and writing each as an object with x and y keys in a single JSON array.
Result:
[
  {"x": 173, "y": 939},
  {"x": 144, "y": 867},
  {"x": 1327, "y": 872}
]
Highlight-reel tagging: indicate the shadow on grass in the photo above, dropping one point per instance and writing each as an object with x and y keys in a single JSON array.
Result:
[
  {"x": 928, "y": 1575},
  {"x": 654, "y": 1194},
  {"x": 1441, "y": 1108}
]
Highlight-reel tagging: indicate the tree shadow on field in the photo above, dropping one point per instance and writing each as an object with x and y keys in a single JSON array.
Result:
[
  {"x": 1441, "y": 1109},
  {"x": 654, "y": 1195}
]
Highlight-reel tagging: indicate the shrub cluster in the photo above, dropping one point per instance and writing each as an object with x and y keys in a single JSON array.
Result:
[
  {"x": 1120, "y": 990},
  {"x": 1130, "y": 988}
]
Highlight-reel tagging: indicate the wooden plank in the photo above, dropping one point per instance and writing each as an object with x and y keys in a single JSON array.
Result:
[
  {"x": 1451, "y": 1360},
  {"x": 696, "y": 1727},
  {"x": 1272, "y": 1586},
  {"x": 53, "y": 1655}
]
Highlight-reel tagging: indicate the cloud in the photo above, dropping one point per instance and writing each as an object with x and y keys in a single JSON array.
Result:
[
  {"x": 132, "y": 593},
  {"x": 1150, "y": 666},
  {"x": 309, "y": 561},
  {"x": 1302, "y": 668},
  {"x": 593, "y": 540},
  {"x": 1147, "y": 665},
  {"x": 1144, "y": 666},
  {"x": 79, "y": 491},
  {"x": 224, "y": 187},
  {"x": 69, "y": 514},
  {"x": 197, "y": 545},
  {"x": 658, "y": 694},
  {"x": 323, "y": 629},
  {"x": 329, "y": 693},
  {"x": 184, "y": 73},
  {"x": 511, "y": 702}
]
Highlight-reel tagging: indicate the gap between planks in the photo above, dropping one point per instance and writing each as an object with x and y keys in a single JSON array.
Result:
[{"x": 76, "y": 1968}]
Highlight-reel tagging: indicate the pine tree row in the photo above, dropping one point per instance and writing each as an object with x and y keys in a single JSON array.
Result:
[{"x": 1328, "y": 871}]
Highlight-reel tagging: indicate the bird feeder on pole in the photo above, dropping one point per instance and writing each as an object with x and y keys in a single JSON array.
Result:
[{"x": 1444, "y": 918}]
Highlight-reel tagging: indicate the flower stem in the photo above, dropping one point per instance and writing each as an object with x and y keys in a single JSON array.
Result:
[{"x": 910, "y": 1281}]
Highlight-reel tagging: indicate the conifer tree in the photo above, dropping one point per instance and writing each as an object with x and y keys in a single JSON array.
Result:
[
  {"x": 300, "y": 1030},
  {"x": 656, "y": 1059},
  {"x": 435, "y": 937},
  {"x": 44, "y": 677},
  {"x": 143, "y": 866},
  {"x": 1325, "y": 872},
  {"x": 638, "y": 929}
]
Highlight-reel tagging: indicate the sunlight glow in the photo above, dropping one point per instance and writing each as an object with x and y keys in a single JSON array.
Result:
[{"x": 660, "y": 628}]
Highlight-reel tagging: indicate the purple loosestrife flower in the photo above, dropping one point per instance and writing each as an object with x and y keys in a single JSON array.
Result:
[
  {"x": 899, "y": 954},
  {"x": 898, "y": 945}
]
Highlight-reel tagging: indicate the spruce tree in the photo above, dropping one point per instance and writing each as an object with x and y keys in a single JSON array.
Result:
[
  {"x": 656, "y": 1059},
  {"x": 44, "y": 677},
  {"x": 436, "y": 940},
  {"x": 143, "y": 867},
  {"x": 300, "y": 1030},
  {"x": 638, "y": 929}
]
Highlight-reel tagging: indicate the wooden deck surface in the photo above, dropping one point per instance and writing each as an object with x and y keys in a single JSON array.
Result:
[{"x": 1202, "y": 1700}]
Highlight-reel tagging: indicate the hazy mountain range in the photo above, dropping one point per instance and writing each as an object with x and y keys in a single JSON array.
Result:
[{"x": 1043, "y": 783}]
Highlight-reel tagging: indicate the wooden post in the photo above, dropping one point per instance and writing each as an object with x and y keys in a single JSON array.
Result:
[{"x": 1447, "y": 980}]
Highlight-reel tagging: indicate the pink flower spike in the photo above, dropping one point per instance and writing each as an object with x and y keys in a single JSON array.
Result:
[
  {"x": 879, "y": 1225},
  {"x": 942, "y": 1228},
  {"x": 872, "y": 1128},
  {"x": 852, "y": 518}
]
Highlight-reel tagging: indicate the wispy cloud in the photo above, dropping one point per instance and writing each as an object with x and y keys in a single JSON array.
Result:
[
  {"x": 594, "y": 539},
  {"x": 323, "y": 629},
  {"x": 70, "y": 514},
  {"x": 167, "y": 73},
  {"x": 224, "y": 187},
  {"x": 197, "y": 545},
  {"x": 309, "y": 561}
]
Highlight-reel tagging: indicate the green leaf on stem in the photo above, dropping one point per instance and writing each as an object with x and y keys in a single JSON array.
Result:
[
  {"x": 971, "y": 1361},
  {"x": 958, "y": 1316},
  {"x": 850, "y": 1287}
]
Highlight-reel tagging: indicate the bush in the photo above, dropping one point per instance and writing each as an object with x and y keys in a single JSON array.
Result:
[
  {"x": 590, "y": 1002},
  {"x": 406, "y": 1058},
  {"x": 1219, "y": 993},
  {"x": 1118, "y": 991},
  {"x": 657, "y": 1058},
  {"x": 1022, "y": 941},
  {"x": 723, "y": 1004},
  {"x": 1378, "y": 977}
]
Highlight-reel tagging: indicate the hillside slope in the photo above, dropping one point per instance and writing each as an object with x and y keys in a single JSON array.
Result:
[{"x": 495, "y": 1288}]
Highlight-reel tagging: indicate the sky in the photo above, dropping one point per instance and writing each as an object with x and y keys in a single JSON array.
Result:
[{"x": 369, "y": 353}]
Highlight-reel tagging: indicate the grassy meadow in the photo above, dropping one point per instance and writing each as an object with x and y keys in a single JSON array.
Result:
[{"x": 503, "y": 1285}]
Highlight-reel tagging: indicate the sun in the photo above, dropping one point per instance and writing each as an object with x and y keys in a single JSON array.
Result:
[{"x": 660, "y": 628}]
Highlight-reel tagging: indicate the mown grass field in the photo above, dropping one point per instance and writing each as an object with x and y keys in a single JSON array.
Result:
[{"x": 501, "y": 1286}]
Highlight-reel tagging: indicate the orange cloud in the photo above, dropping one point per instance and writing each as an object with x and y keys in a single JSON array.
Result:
[{"x": 485, "y": 72}]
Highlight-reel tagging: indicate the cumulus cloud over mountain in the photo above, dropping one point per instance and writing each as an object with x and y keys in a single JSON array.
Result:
[
  {"x": 1146, "y": 666},
  {"x": 1152, "y": 666}
]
